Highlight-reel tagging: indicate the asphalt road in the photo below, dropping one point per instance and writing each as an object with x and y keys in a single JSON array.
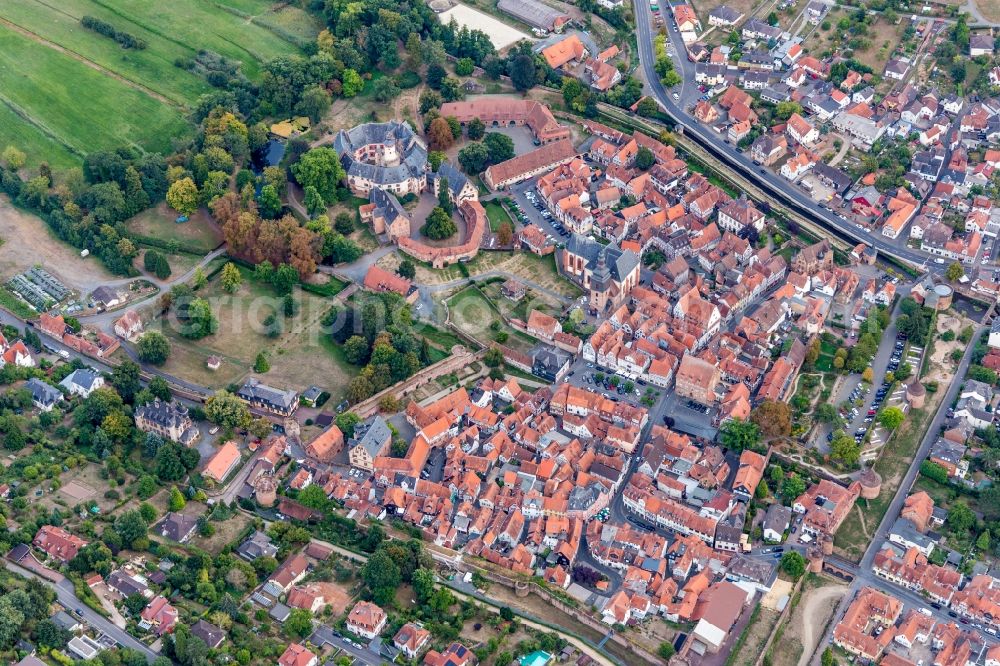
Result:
[{"x": 713, "y": 143}]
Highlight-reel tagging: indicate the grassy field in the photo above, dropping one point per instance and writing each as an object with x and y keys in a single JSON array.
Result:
[
  {"x": 475, "y": 315},
  {"x": 35, "y": 144},
  {"x": 84, "y": 108},
  {"x": 68, "y": 90},
  {"x": 496, "y": 214},
  {"x": 524, "y": 265},
  {"x": 241, "y": 337},
  {"x": 198, "y": 234}
]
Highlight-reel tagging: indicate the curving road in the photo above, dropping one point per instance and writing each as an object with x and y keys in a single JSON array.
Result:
[{"x": 713, "y": 142}]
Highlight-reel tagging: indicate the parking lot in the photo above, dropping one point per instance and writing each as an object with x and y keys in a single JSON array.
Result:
[
  {"x": 615, "y": 387},
  {"x": 529, "y": 209},
  {"x": 859, "y": 419}
]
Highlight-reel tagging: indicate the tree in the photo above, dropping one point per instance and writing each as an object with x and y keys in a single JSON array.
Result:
[
  {"x": 738, "y": 435},
  {"x": 474, "y": 158},
  {"x": 475, "y": 129},
  {"x": 183, "y": 196},
  {"x": 844, "y": 448},
  {"x": 176, "y": 501},
  {"x": 868, "y": 375},
  {"x": 199, "y": 321},
  {"x": 961, "y": 519},
  {"x": 493, "y": 358},
  {"x": 773, "y": 418},
  {"x": 385, "y": 90},
  {"x": 227, "y": 411},
  {"x": 955, "y": 270},
  {"x": 14, "y": 158},
  {"x": 464, "y": 66},
  {"x": 132, "y": 528},
  {"x": 49, "y": 634},
  {"x": 153, "y": 348},
  {"x": 891, "y": 418},
  {"x": 522, "y": 72},
  {"x": 439, "y": 135},
  {"x": 343, "y": 223},
  {"x": 313, "y": 201},
  {"x": 382, "y": 576},
  {"x": 155, "y": 263},
  {"x": 826, "y": 659},
  {"x": 983, "y": 542},
  {"x": 934, "y": 471},
  {"x": 793, "y": 564},
  {"x": 346, "y": 422},
  {"x": 647, "y": 107},
  {"x": 261, "y": 364},
  {"x": 351, "y": 83},
  {"x": 314, "y": 103},
  {"x": 159, "y": 388},
  {"x": 665, "y": 650},
  {"x": 644, "y": 158},
  {"x": 439, "y": 225},
  {"x": 298, "y": 624},
  {"x": 269, "y": 202},
  {"x": 320, "y": 168},
  {"x": 792, "y": 486},
  {"x": 501, "y": 146},
  {"x": 356, "y": 350},
  {"x": 285, "y": 277},
  {"x": 784, "y": 110},
  {"x": 231, "y": 277},
  {"x": 407, "y": 269},
  {"x": 827, "y": 413},
  {"x": 505, "y": 234}
]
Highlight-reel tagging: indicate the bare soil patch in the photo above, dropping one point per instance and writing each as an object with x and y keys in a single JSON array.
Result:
[
  {"x": 806, "y": 623},
  {"x": 757, "y": 634},
  {"x": 77, "y": 491},
  {"x": 28, "y": 241},
  {"x": 989, "y": 9},
  {"x": 941, "y": 368}
]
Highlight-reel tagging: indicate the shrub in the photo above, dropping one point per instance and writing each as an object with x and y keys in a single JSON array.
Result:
[{"x": 124, "y": 39}]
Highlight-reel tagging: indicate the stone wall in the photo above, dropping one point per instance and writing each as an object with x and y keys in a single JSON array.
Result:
[{"x": 460, "y": 358}]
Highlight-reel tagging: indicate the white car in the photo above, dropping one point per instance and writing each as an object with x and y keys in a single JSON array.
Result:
[{"x": 676, "y": 96}]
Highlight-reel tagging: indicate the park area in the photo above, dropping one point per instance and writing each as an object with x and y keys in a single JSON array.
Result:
[
  {"x": 242, "y": 334},
  {"x": 199, "y": 235},
  {"x": 476, "y": 315},
  {"x": 66, "y": 90},
  {"x": 528, "y": 267}
]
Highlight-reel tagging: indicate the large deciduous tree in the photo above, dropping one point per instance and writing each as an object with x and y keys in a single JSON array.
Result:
[{"x": 320, "y": 168}]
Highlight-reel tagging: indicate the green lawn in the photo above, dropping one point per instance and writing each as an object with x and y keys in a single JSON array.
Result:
[
  {"x": 496, "y": 214},
  {"x": 86, "y": 109},
  {"x": 197, "y": 235}
]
